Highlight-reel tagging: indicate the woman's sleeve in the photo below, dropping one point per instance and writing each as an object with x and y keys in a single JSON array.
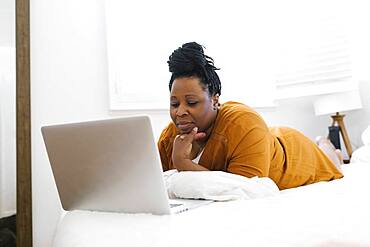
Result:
[
  {"x": 162, "y": 147},
  {"x": 251, "y": 153}
]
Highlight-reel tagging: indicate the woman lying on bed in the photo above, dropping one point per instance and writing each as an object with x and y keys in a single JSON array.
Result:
[{"x": 232, "y": 137}]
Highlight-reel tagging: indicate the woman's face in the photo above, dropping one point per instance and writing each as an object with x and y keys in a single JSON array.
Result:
[{"x": 191, "y": 105}]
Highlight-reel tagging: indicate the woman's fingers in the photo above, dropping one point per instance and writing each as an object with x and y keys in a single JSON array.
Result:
[
  {"x": 190, "y": 136},
  {"x": 199, "y": 135}
]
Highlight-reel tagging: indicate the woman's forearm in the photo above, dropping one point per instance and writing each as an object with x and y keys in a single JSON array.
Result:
[{"x": 188, "y": 165}]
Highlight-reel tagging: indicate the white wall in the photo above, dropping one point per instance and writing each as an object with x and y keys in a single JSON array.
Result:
[
  {"x": 69, "y": 83},
  {"x": 7, "y": 109},
  {"x": 7, "y": 23},
  {"x": 7, "y": 132},
  {"x": 357, "y": 121}
]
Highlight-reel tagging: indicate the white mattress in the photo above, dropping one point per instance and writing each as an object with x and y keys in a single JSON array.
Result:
[{"x": 335, "y": 213}]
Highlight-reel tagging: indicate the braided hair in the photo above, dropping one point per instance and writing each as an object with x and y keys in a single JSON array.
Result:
[{"x": 190, "y": 60}]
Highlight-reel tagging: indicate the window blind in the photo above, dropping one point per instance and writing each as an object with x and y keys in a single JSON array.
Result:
[{"x": 316, "y": 59}]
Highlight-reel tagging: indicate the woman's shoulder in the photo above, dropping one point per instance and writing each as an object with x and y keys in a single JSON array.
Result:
[
  {"x": 237, "y": 121},
  {"x": 236, "y": 113},
  {"x": 232, "y": 106}
]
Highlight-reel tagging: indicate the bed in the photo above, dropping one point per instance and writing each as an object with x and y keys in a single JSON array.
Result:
[{"x": 335, "y": 213}]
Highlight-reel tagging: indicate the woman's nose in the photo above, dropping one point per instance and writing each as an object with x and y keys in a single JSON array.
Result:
[{"x": 181, "y": 110}]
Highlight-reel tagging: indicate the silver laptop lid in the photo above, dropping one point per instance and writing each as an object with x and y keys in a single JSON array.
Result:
[{"x": 107, "y": 165}]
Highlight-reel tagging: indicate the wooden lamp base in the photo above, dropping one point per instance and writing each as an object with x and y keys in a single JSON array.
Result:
[{"x": 338, "y": 121}]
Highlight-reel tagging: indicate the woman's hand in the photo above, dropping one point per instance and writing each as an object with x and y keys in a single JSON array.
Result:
[{"x": 182, "y": 147}]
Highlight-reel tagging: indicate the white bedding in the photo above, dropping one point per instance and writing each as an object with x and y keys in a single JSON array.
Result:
[
  {"x": 335, "y": 213},
  {"x": 217, "y": 186}
]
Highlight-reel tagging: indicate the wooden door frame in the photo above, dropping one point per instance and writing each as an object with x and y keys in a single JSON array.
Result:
[{"x": 23, "y": 124}]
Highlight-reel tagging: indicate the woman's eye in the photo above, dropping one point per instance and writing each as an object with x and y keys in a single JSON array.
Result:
[
  {"x": 192, "y": 103},
  {"x": 174, "y": 104}
]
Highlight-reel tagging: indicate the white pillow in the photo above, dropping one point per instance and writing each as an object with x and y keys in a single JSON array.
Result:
[
  {"x": 362, "y": 154},
  {"x": 366, "y": 136},
  {"x": 217, "y": 186}
]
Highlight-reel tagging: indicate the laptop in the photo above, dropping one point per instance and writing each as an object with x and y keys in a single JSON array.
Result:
[{"x": 110, "y": 165}]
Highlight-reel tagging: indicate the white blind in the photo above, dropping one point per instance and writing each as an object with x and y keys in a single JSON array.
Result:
[{"x": 316, "y": 59}]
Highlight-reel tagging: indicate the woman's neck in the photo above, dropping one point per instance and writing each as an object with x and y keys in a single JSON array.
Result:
[{"x": 202, "y": 142}]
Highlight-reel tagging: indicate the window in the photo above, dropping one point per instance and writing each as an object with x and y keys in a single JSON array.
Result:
[
  {"x": 142, "y": 34},
  {"x": 316, "y": 58},
  {"x": 266, "y": 50}
]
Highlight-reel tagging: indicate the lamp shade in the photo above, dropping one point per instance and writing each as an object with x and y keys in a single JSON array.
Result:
[{"x": 337, "y": 102}]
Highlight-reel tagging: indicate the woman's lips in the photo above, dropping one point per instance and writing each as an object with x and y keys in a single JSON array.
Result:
[{"x": 185, "y": 127}]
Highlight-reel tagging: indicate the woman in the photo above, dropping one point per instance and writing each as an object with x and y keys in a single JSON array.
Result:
[{"x": 231, "y": 137}]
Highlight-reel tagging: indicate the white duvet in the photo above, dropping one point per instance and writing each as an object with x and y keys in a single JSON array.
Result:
[{"x": 335, "y": 213}]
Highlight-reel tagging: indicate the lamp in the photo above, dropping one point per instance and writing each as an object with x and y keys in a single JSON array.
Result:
[{"x": 335, "y": 103}]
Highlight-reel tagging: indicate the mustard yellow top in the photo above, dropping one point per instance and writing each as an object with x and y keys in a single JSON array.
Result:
[{"x": 241, "y": 143}]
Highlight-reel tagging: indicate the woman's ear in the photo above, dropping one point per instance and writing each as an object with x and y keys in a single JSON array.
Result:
[{"x": 215, "y": 101}]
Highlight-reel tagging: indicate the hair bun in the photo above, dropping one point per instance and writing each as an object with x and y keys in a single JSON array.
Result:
[
  {"x": 190, "y": 60},
  {"x": 187, "y": 58}
]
